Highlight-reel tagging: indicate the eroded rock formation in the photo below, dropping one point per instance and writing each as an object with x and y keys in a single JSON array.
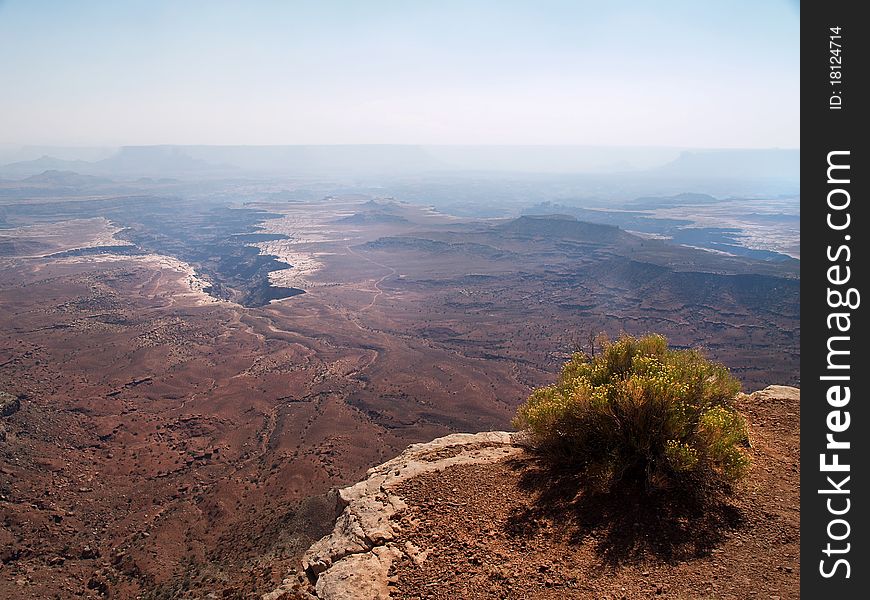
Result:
[{"x": 353, "y": 561}]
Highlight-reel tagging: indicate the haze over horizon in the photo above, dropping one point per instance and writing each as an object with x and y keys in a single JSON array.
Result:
[
  {"x": 505, "y": 73},
  {"x": 252, "y": 249}
]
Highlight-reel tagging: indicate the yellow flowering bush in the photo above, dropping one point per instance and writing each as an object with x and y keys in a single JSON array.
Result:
[{"x": 639, "y": 411}]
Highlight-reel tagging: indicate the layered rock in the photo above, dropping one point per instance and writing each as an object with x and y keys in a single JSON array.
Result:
[{"x": 352, "y": 563}]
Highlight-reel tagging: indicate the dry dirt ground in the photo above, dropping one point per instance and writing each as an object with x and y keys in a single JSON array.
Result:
[
  {"x": 169, "y": 446},
  {"x": 516, "y": 530}
]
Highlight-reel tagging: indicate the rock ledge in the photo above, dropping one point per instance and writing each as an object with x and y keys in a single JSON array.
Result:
[{"x": 352, "y": 563}]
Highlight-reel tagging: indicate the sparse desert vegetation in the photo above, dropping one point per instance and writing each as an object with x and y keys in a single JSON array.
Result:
[
  {"x": 167, "y": 426},
  {"x": 642, "y": 415}
]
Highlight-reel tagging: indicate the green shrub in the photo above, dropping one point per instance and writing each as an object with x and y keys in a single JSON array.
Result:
[{"x": 640, "y": 412}]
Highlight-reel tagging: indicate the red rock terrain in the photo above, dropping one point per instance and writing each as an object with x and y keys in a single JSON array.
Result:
[
  {"x": 482, "y": 517},
  {"x": 168, "y": 445}
]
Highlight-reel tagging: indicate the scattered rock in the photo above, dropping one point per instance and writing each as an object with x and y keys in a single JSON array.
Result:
[
  {"x": 354, "y": 560},
  {"x": 9, "y": 404},
  {"x": 9, "y": 554},
  {"x": 99, "y": 584},
  {"x": 359, "y": 576},
  {"x": 406, "y": 530}
]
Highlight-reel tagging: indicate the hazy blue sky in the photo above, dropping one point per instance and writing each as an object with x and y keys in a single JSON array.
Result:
[{"x": 674, "y": 73}]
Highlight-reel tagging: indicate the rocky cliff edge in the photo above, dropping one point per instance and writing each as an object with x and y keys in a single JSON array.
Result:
[{"x": 353, "y": 562}]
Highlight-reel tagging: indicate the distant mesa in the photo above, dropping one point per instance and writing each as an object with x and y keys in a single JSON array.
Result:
[
  {"x": 157, "y": 161},
  {"x": 27, "y": 168},
  {"x": 374, "y": 211},
  {"x": 309, "y": 160},
  {"x": 648, "y": 164},
  {"x": 564, "y": 227},
  {"x": 754, "y": 164},
  {"x": 384, "y": 204},
  {"x": 65, "y": 179}
]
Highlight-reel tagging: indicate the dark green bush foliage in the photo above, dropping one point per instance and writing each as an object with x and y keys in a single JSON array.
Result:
[{"x": 640, "y": 412}]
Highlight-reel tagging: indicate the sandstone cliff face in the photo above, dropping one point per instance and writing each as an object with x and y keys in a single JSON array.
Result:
[{"x": 352, "y": 563}]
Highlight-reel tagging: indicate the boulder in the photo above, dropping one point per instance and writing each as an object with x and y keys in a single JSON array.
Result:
[{"x": 9, "y": 404}]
